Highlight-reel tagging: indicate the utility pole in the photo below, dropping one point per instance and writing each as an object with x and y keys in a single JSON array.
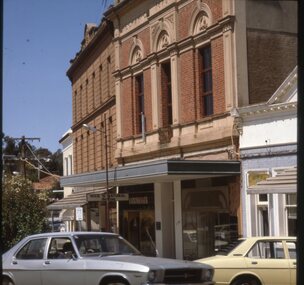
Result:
[
  {"x": 23, "y": 141},
  {"x": 104, "y": 131}
]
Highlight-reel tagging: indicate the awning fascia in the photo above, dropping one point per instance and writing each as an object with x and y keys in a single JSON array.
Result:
[
  {"x": 61, "y": 206},
  {"x": 285, "y": 182},
  {"x": 149, "y": 172},
  {"x": 74, "y": 200},
  {"x": 272, "y": 190}
]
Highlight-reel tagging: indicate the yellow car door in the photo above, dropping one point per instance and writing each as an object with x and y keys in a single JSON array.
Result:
[
  {"x": 268, "y": 261},
  {"x": 270, "y": 271},
  {"x": 292, "y": 259}
]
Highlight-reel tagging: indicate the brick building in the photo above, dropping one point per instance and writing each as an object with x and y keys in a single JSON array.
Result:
[{"x": 161, "y": 77}]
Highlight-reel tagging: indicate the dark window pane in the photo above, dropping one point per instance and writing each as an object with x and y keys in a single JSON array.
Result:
[
  {"x": 207, "y": 57},
  {"x": 207, "y": 81},
  {"x": 139, "y": 89},
  {"x": 167, "y": 94},
  {"x": 263, "y": 197},
  {"x": 34, "y": 249},
  {"x": 208, "y": 105}
]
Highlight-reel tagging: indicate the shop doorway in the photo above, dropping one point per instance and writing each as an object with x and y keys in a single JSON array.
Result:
[
  {"x": 208, "y": 226},
  {"x": 205, "y": 233},
  {"x": 139, "y": 229}
]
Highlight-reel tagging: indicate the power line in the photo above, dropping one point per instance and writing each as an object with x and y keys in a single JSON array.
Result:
[
  {"x": 37, "y": 159},
  {"x": 34, "y": 166},
  {"x": 23, "y": 140}
]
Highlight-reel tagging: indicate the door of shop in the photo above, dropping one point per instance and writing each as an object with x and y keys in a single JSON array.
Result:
[
  {"x": 140, "y": 230},
  {"x": 204, "y": 233}
]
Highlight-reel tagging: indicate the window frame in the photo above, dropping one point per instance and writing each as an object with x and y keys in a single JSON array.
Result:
[
  {"x": 27, "y": 244},
  {"x": 205, "y": 76},
  {"x": 140, "y": 103},
  {"x": 166, "y": 83}
]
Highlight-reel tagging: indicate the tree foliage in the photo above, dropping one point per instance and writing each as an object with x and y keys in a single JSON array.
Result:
[{"x": 23, "y": 210}]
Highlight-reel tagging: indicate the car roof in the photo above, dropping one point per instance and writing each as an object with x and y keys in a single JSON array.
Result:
[
  {"x": 243, "y": 247},
  {"x": 56, "y": 234}
]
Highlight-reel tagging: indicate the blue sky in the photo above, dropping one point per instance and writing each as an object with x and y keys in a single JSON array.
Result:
[{"x": 40, "y": 38}]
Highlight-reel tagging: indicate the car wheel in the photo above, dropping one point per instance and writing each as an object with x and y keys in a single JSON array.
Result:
[
  {"x": 114, "y": 281},
  {"x": 246, "y": 281},
  {"x": 7, "y": 281}
]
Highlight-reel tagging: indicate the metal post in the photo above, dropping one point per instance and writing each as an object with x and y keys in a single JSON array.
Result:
[
  {"x": 143, "y": 127},
  {"x": 23, "y": 156},
  {"x": 104, "y": 131},
  {"x": 107, "y": 174}
]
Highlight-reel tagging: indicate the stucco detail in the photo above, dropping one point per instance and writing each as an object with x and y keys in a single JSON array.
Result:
[
  {"x": 136, "y": 51},
  {"x": 162, "y": 33},
  {"x": 201, "y": 18}
]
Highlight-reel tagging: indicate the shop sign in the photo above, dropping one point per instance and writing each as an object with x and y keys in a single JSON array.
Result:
[
  {"x": 111, "y": 197},
  {"x": 79, "y": 214},
  {"x": 138, "y": 200}
]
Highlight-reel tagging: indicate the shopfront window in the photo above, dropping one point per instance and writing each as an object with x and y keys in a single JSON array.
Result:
[
  {"x": 261, "y": 203},
  {"x": 291, "y": 213}
]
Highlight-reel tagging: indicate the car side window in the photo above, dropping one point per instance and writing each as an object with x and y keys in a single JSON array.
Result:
[
  {"x": 61, "y": 248},
  {"x": 292, "y": 250},
  {"x": 267, "y": 250},
  {"x": 34, "y": 249}
]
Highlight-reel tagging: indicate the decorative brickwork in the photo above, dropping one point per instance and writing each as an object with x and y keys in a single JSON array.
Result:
[
  {"x": 271, "y": 57},
  {"x": 93, "y": 96}
]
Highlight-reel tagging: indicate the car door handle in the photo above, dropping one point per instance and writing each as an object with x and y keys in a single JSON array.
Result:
[
  {"x": 47, "y": 262},
  {"x": 254, "y": 262},
  {"x": 294, "y": 263},
  {"x": 15, "y": 262}
]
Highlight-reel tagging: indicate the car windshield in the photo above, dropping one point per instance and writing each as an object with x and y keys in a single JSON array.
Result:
[
  {"x": 225, "y": 250},
  {"x": 103, "y": 245}
]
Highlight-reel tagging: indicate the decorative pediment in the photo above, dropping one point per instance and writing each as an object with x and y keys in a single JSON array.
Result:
[
  {"x": 136, "y": 51},
  {"x": 202, "y": 22},
  {"x": 201, "y": 18},
  {"x": 163, "y": 40},
  {"x": 287, "y": 92},
  {"x": 162, "y": 33},
  {"x": 137, "y": 55},
  {"x": 89, "y": 33},
  {"x": 283, "y": 100}
]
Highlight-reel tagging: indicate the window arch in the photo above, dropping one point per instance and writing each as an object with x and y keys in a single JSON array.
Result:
[
  {"x": 163, "y": 40},
  {"x": 201, "y": 18},
  {"x": 136, "y": 51},
  {"x": 162, "y": 34},
  {"x": 136, "y": 55}
]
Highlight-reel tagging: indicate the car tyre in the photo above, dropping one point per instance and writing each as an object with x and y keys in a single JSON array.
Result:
[
  {"x": 115, "y": 281},
  {"x": 7, "y": 281},
  {"x": 246, "y": 281}
]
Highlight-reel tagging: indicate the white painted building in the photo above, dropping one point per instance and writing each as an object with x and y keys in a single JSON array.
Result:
[
  {"x": 67, "y": 215},
  {"x": 268, "y": 149},
  {"x": 67, "y": 152}
]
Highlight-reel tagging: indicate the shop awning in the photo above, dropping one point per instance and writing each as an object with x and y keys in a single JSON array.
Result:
[
  {"x": 283, "y": 183},
  {"x": 155, "y": 171},
  {"x": 76, "y": 199}
]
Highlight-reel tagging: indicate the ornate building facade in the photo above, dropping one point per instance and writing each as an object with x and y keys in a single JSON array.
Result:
[{"x": 167, "y": 74}]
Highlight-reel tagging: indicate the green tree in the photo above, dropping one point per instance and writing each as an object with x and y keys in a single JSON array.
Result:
[
  {"x": 23, "y": 210},
  {"x": 55, "y": 164}
]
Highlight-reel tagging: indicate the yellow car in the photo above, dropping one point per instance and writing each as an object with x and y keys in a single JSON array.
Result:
[{"x": 255, "y": 261}]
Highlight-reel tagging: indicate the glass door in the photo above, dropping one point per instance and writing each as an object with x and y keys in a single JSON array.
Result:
[{"x": 141, "y": 230}]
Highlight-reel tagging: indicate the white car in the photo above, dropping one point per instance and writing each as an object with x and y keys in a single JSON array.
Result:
[{"x": 93, "y": 258}]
